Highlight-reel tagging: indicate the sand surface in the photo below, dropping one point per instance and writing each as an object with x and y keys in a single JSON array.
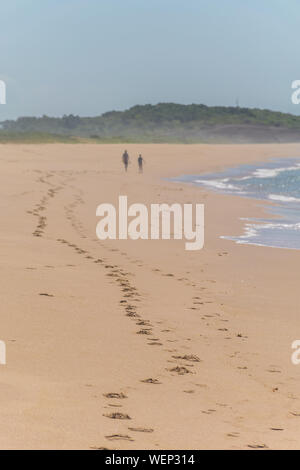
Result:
[{"x": 191, "y": 349}]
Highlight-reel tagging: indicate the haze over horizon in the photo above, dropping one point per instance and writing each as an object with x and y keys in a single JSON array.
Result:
[{"x": 64, "y": 57}]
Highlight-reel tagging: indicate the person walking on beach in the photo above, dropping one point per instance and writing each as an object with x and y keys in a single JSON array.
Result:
[
  {"x": 125, "y": 159},
  {"x": 140, "y": 163}
]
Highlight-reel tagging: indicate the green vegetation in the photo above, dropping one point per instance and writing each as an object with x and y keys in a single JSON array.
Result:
[{"x": 164, "y": 122}]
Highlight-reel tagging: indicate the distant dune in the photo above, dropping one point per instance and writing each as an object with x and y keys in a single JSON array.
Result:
[
  {"x": 249, "y": 134},
  {"x": 161, "y": 123}
]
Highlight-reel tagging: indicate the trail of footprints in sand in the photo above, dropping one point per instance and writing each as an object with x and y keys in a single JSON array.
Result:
[
  {"x": 40, "y": 207},
  {"x": 185, "y": 363},
  {"x": 199, "y": 302},
  {"x": 130, "y": 304},
  {"x": 39, "y": 211}
]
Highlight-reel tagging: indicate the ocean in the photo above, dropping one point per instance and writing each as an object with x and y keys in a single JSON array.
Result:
[{"x": 277, "y": 181}]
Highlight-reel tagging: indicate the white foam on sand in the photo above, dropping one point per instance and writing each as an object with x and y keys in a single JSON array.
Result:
[
  {"x": 272, "y": 172},
  {"x": 251, "y": 234},
  {"x": 280, "y": 197},
  {"x": 219, "y": 184}
]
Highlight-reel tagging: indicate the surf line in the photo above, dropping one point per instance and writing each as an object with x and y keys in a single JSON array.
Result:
[{"x": 165, "y": 220}]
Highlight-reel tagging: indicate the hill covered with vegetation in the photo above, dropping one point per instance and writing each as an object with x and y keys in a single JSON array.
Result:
[{"x": 164, "y": 122}]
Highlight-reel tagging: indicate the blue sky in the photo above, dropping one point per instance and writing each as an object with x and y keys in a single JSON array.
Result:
[{"x": 90, "y": 56}]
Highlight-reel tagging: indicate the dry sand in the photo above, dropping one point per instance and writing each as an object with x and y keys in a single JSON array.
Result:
[{"x": 213, "y": 367}]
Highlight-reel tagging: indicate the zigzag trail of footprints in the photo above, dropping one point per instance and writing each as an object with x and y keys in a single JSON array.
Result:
[
  {"x": 40, "y": 208},
  {"x": 130, "y": 301}
]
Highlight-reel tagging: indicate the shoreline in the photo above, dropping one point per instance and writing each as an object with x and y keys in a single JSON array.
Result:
[
  {"x": 276, "y": 206},
  {"x": 140, "y": 344}
]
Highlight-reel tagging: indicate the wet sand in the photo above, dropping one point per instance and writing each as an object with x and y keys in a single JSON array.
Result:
[{"x": 141, "y": 344}]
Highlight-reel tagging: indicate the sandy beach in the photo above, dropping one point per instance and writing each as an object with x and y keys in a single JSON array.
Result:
[{"x": 141, "y": 344}]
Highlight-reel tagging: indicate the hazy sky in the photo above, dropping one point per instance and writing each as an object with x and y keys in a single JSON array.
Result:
[{"x": 90, "y": 56}]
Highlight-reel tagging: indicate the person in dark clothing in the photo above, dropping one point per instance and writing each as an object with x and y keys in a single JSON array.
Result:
[
  {"x": 125, "y": 159},
  {"x": 140, "y": 163}
]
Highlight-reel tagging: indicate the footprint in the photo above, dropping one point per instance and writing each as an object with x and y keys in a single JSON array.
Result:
[
  {"x": 208, "y": 412},
  {"x": 188, "y": 357},
  {"x": 132, "y": 314},
  {"x": 99, "y": 448},
  {"x": 151, "y": 381},
  {"x": 115, "y": 395},
  {"x": 143, "y": 323},
  {"x": 257, "y": 446},
  {"x": 119, "y": 437},
  {"x": 117, "y": 416},
  {"x": 233, "y": 434},
  {"x": 180, "y": 370},
  {"x": 141, "y": 429}
]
